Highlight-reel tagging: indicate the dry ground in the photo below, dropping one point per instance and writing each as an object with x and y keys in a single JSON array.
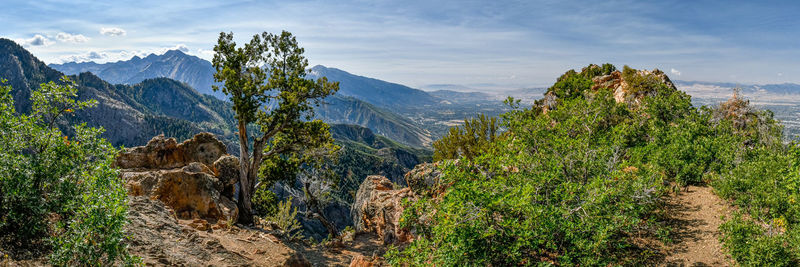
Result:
[{"x": 695, "y": 217}]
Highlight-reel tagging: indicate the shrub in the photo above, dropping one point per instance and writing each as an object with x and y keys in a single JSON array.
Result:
[
  {"x": 571, "y": 186},
  {"x": 468, "y": 140},
  {"x": 51, "y": 184},
  {"x": 265, "y": 203},
  {"x": 566, "y": 187},
  {"x": 285, "y": 220}
]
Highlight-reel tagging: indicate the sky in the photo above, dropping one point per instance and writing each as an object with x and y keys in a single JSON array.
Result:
[{"x": 486, "y": 45}]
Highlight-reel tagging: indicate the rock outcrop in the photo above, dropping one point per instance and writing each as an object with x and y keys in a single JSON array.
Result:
[
  {"x": 194, "y": 178},
  {"x": 629, "y": 86},
  {"x": 378, "y": 209},
  {"x": 622, "y": 86},
  {"x": 227, "y": 170},
  {"x": 166, "y": 153},
  {"x": 424, "y": 179}
]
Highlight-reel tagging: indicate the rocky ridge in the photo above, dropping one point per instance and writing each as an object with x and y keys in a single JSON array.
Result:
[{"x": 378, "y": 206}]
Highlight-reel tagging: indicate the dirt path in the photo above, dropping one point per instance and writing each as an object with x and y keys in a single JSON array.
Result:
[{"x": 695, "y": 219}]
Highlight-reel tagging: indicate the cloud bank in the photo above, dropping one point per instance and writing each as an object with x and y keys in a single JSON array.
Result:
[
  {"x": 71, "y": 38},
  {"x": 36, "y": 40},
  {"x": 113, "y": 31}
]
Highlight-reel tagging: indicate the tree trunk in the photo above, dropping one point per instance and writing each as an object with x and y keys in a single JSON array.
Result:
[
  {"x": 245, "y": 208},
  {"x": 244, "y": 203}
]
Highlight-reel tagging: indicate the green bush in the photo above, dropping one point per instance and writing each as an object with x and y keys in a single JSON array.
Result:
[
  {"x": 468, "y": 140},
  {"x": 57, "y": 186},
  {"x": 571, "y": 186},
  {"x": 566, "y": 187},
  {"x": 265, "y": 203},
  {"x": 285, "y": 220}
]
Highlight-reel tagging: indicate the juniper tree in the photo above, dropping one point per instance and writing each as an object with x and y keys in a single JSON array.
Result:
[{"x": 266, "y": 82}]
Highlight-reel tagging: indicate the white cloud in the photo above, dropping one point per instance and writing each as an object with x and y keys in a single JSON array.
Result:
[
  {"x": 780, "y": 74},
  {"x": 676, "y": 72},
  {"x": 205, "y": 53},
  {"x": 180, "y": 47},
  {"x": 36, "y": 40},
  {"x": 71, "y": 38},
  {"x": 101, "y": 56},
  {"x": 117, "y": 55},
  {"x": 113, "y": 31}
]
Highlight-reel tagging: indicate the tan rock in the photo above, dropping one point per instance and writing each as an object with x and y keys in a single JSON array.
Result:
[
  {"x": 200, "y": 225},
  {"x": 185, "y": 190},
  {"x": 182, "y": 176},
  {"x": 621, "y": 88},
  {"x": 227, "y": 171},
  {"x": 361, "y": 261},
  {"x": 378, "y": 209},
  {"x": 166, "y": 153}
]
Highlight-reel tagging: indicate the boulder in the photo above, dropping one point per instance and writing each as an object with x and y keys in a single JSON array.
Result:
[
  {"x": 621, "y": 87},
  {"x": 166, "y": 153},
  {"x": 191, "y": 191},
  {"x": 227, "y": 171},
  {"x": 378, "y": 209},
  {"x": 185, "y": 177}
]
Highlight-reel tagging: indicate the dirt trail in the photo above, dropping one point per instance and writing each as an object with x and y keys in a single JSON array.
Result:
[{"x": 695, "y": 220}]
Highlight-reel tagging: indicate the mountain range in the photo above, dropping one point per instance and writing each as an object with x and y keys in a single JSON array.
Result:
[
  {"x": 198, "y": 73},
  {"x": 131, "y": 114},
  {"x": 173, "y": 64},
  {"x": 725, "y": 87},
  {"x": 374, "y": 91}
]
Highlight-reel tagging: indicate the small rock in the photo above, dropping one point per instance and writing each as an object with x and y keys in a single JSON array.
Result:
[{"x": 297, "y": 260}]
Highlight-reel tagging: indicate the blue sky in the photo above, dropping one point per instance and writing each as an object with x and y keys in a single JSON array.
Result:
[{"x": 482, "y": 44}]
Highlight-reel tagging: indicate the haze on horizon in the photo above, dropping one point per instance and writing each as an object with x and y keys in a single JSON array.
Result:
[{"x": 480, "y": 44}]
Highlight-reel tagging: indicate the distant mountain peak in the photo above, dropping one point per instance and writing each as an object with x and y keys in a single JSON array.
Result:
[
  {"x": 174, "y": 52},
  {"x": 173, "y": 64}
]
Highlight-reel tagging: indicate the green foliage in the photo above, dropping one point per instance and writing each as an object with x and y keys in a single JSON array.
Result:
[
  {"x": 471, "y": 139},
  {"x": 54, "y": 185},
  {"x": 266, "y": 83},
  {"x": 571, "y": 85},
  {"x": 285, "y": 220},
  {"x": 571, "y": 186},
  {"x": 564, "y": 187},
  {"x": 752, "y": 245},
  {"x": 265, "y": 203},
  {"x": 640, "y": 83}
]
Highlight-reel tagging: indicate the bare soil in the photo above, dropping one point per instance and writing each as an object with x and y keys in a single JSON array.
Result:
[{"x": 695, "y": 217}]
